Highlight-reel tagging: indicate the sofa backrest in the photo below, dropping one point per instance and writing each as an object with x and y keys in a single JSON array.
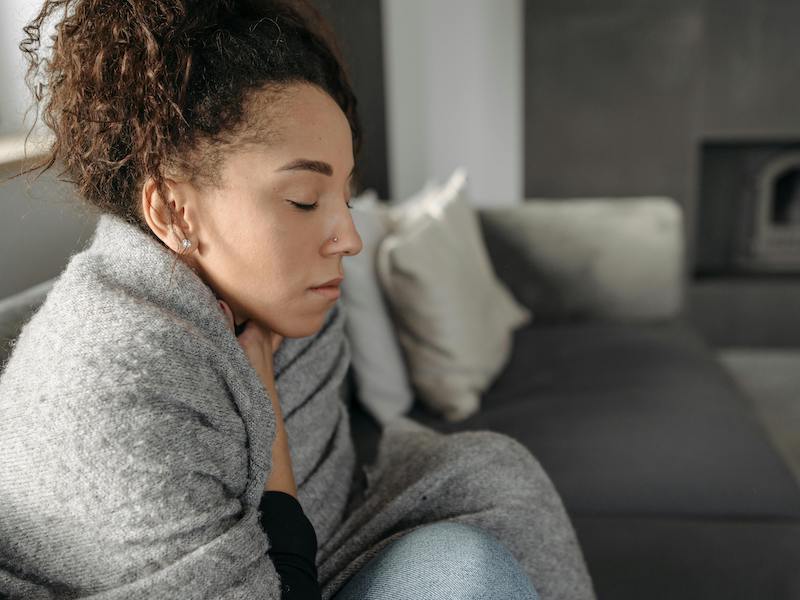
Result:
[
  {"x": 601, "y": 258},
  {"x": 15, "y": 312}
]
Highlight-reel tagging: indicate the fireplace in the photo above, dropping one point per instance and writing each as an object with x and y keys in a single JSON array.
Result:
[
  {"x": 776, "y": 238},
  {"x": 749, "y": 208}
]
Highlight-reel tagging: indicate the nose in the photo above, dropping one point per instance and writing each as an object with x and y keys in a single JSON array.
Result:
[{"x": 348, "y": 242}]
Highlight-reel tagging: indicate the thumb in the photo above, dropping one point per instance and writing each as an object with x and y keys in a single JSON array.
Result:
[{"x": 226, "y": 310}]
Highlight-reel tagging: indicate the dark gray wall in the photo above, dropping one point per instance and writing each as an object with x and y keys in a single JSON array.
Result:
[
  {"x": 751, "y": 75},
  {"x": 612, "y": 97},
  {"x": 620, "y": 94},
  {"x": 357, "y": 24}
]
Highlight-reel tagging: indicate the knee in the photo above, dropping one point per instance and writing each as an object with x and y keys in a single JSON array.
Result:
[
  {"x": 450, "y": 534},
  {"x": 469, "y": 561},
  {"x": 462, "y": 544}
]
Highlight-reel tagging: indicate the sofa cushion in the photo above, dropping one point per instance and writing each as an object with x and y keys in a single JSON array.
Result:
[
  {"x": 453, "y": 317},
  {"x": 634, "y": 419},
  {"x": 632, "y": 558},
  {"x": 618, "y": 259}
]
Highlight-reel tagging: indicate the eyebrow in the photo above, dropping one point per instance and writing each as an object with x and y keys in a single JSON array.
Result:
[{"x": 316, "y": 166}]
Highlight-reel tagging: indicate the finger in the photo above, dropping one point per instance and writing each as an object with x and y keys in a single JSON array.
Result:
[
  {"x": 228, "y": 314},
  {"x": 276, "y": 342}
]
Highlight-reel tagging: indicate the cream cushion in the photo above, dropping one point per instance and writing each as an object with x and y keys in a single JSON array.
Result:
[
  {"x": 379, "y": 370},
  {"x": 453, "y": 317}
]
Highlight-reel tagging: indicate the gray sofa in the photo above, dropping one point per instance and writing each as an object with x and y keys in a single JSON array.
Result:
[{"x": 671, "y": 482}]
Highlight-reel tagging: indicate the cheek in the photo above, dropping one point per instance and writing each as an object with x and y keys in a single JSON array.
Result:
[
  {"x": 277, "y": 263},
  {"x": 270, "y": 255}
]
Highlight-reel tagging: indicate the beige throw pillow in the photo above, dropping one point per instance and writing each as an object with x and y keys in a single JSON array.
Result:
[
  {"x": 382, "y": 381},
  {"x": 454, "y": 319}
]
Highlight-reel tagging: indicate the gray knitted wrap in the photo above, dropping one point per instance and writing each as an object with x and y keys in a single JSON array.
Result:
[{"x": 136, "y": 439}]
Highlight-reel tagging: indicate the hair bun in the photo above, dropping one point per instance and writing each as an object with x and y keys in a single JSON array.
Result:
[{"x": 134, "y": 89}]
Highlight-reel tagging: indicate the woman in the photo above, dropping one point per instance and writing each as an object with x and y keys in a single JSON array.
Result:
[{"x": 169, "y": 417}]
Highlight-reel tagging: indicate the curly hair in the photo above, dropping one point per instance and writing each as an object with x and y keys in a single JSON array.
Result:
[{"x": 142, "y": 88}]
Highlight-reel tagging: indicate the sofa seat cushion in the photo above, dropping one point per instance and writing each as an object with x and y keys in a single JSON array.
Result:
[
  {"x": 634, "y": 419},
  {"x": 691, "y": 559}
]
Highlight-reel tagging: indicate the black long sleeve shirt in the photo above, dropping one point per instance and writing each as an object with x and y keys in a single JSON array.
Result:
[{"x": 293, "y": 545}]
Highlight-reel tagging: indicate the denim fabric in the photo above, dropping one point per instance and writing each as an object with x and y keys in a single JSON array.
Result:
[{"x": 441, "y": 560}]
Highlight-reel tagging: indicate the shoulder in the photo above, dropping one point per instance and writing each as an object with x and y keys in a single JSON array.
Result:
[
  {"x": 105, "y": 390},
  {"x": 96, "y": 365},
  {"x": 91, "y": 330}
]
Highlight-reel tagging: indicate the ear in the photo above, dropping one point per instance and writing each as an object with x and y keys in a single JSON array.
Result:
[{"x": 173, "y": 217}]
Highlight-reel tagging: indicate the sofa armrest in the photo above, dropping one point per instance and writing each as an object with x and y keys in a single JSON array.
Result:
[
  {"x": 607, "y": 258},
  {"x": 15, "y": 311}
]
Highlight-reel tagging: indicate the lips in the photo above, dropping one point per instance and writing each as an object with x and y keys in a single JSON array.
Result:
[
  {"x": 331, "y": 292},
  {"x": 331, "y": 283}
]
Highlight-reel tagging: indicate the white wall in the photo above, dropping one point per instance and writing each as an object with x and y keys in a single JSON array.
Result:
[
  {"x": 454, "y": 87},
  {"x": 14, "y": 96}
]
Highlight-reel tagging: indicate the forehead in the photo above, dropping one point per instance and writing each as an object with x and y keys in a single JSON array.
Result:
[
  {"x": 283, "y": 125},
  {"x": 300, "y": 117}
]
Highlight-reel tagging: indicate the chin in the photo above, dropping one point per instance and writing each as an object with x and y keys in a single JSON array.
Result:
[{"x": 300, "y": 328}]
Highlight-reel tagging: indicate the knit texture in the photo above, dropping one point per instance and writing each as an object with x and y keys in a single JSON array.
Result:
[{"x": 136, "y": 439}]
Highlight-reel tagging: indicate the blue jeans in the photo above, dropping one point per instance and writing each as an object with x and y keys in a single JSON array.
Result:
[{"x": 441, "y": 560}]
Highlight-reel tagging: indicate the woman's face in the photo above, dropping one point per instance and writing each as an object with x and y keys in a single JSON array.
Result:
[{"x": 255, "y": 248}]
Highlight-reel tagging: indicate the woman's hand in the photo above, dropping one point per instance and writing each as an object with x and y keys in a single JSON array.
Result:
[{"x": 259, "y": 344}]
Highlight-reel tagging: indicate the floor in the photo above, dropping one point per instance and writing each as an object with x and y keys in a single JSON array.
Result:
[{"x": 772, "y": 378}]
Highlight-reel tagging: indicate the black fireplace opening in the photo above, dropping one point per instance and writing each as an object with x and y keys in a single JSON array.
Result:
[
  {"x": 748, "y": 214},
  {"x": 786, "y": 198}
]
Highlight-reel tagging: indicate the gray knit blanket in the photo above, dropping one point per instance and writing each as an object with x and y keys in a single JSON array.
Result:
[{"x": 136, "y": 439}]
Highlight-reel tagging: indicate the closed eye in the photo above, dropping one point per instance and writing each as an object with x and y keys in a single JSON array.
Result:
[
  {"x": 304, "y": 206},
  {"x": 312, "y": 206}
]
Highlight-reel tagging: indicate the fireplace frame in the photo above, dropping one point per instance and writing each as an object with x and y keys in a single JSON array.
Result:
[
  {"x": 773, "y": 247},
  {"x": 735, "y": 234}
]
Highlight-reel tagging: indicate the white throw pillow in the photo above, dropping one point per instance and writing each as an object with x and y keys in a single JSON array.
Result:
[
  {"x": 379, "y": 370},
  {"x": 454, "y": 319}
]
